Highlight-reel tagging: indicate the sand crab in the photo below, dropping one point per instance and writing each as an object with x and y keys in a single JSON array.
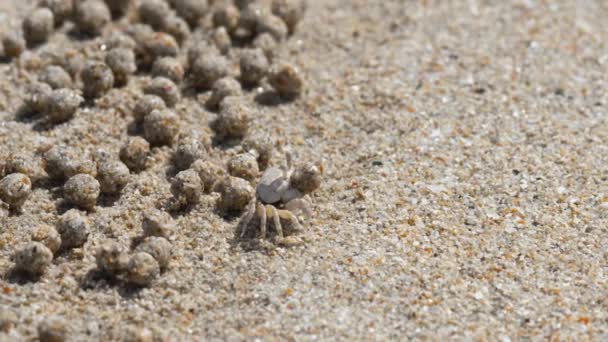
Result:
[{"x": 279, "y": 195}]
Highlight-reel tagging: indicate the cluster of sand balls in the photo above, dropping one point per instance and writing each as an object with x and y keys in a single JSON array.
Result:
[
  {"x": 238, "y": 52},
  {"x": 242, "y": 33},
  {"x": 147, "y": 260},
  {"x": 84, "y": 178},
  {"x": 71, "y": 231}
]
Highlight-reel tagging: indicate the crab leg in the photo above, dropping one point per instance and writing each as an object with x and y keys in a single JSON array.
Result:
[
  {"x": 276, "y": 220},
  {"x": 291, "y": 240},
  {"x": 262, "y": 214},
  {"x": 246, "y": 218},
  {"x": 288, "y": 215}
]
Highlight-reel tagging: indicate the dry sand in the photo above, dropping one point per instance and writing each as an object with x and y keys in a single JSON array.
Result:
[{"x": 464, "y": 194}]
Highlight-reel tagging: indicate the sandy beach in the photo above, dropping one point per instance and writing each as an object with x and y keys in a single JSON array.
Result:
[{"x": 464, "y": 192}]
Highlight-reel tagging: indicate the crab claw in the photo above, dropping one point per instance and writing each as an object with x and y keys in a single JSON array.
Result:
[
  {"x": 306, "y": 178},
  {"x": 299, "y": 207}
]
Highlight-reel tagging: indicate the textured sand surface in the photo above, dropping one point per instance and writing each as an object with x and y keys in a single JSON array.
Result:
[{"x": 464, "y": 194}]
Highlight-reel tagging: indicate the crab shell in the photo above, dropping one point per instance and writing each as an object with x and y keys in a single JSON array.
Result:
[{"x": 274, "y": 187}]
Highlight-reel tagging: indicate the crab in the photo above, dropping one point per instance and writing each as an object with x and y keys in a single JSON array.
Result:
[{"x": 279, "y": 195}]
